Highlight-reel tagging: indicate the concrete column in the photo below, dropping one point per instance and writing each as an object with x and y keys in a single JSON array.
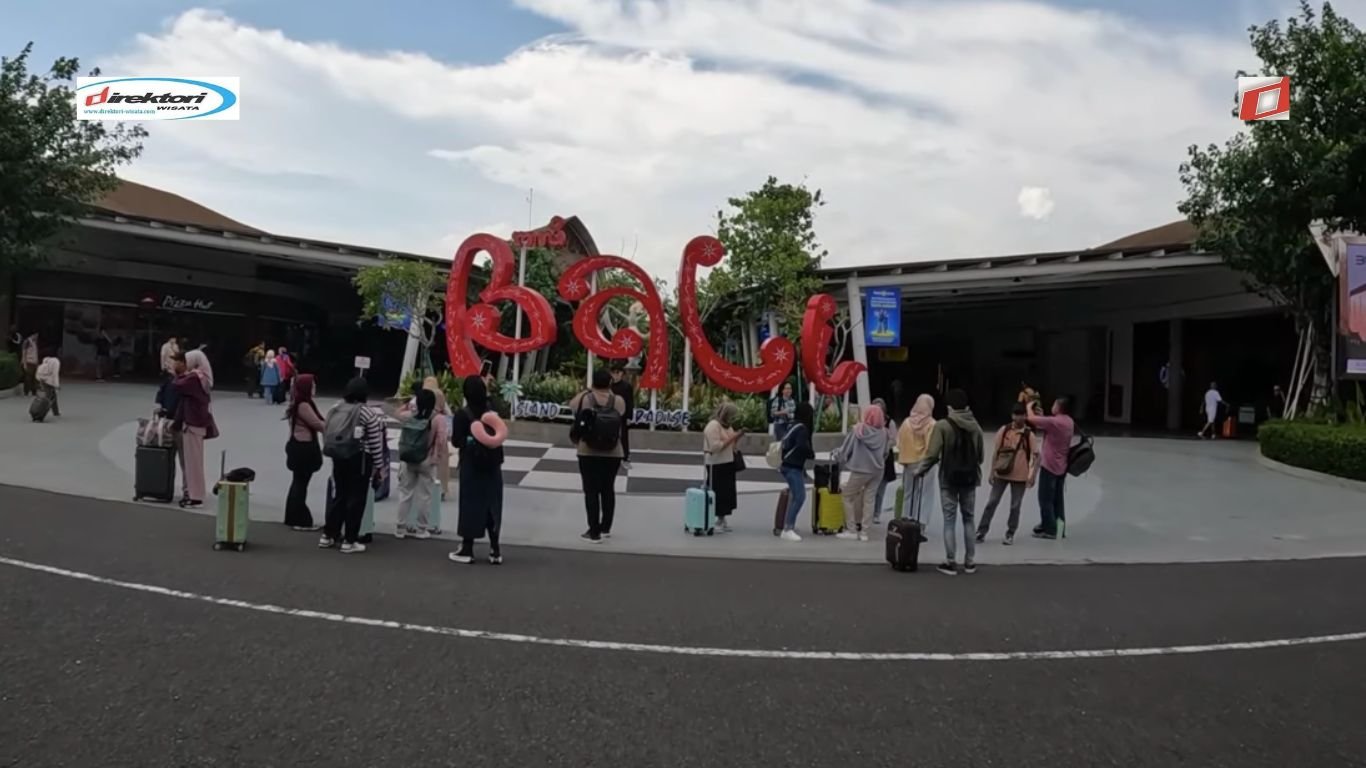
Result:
[
  {"x": 860, "y": 339},
  {"x": 1120, "y": 371},
  {"x": 1175, "y": 376}
]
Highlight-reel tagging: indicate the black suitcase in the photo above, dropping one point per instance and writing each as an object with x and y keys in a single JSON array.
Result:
[
  {"x": 827, "y": 475},
  {"x": 37, "y": 410},
  {"x": 903, "y": 544},
  {"x": 154, "y": 474}
]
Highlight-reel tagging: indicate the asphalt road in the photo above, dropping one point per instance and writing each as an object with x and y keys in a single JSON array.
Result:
[{"x": 97, "y": 675}]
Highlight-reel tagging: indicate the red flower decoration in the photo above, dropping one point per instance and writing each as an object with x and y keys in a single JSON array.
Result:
[
  {"x": 467, "y": 325},
  {"x": 776, "y": 354}
]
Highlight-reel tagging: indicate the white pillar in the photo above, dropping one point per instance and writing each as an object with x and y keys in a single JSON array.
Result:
[
  {"x": 413, "y": 343},
  {"x": 654, "y": 406},
  {"x": 857, "y": 330}
]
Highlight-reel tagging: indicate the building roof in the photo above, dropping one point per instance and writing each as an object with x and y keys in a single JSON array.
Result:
[
  {"x": 1177, "y": 233},
  {"x": 140, "y": 201}
]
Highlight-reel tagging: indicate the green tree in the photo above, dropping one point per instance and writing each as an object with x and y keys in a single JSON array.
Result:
[
  {"x": 405, "y": 287},
  {"x": 772, "y": 252},
  {"x": 1254, "y": 198},
  {"x": 51, "y": 165}
]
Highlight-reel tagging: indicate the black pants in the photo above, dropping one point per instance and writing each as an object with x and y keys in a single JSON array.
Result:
[
  {"x": 296, "y": 504},
  {"x": 1051, "y": 509},
  {"x": 625, "y": 440},
  {"x": 599, "y": 475},
  {"x": 30, "y": 380},
  {"x": 351, "y": 480}
]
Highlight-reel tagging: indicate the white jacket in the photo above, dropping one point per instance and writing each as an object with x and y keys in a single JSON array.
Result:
[{"x": 50, "y": 372}]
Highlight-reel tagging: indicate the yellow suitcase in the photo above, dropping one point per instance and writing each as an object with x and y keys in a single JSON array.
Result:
[{"x": 829, "y": 517}]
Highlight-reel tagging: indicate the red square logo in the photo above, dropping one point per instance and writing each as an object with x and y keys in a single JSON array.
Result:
[{"x": 1263, "y": 98}]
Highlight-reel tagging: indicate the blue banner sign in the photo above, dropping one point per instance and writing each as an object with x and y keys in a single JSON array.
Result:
[{"x": 882, "y": 317}]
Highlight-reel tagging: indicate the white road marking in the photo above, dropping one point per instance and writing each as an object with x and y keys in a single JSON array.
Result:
[{"x": 684, "y": 650}]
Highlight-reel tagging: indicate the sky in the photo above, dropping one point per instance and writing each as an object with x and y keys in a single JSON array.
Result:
[{"x": 936, "y": 129}]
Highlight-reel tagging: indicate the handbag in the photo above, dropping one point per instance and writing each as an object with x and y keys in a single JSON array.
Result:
[
  {"x": 739, "y": 461},
  {"x": 1005, "y": 459}
]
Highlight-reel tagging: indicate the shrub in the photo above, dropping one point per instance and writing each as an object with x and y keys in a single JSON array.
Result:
[
  {"x": 450, "y": 385},
  {"x": 1331, "y": 449},
  {"x": 9, "y": 370},
  {"x": 551, "y": 388}
]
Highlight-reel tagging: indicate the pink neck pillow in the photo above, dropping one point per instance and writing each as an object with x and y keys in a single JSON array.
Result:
[{"x": 490, "y": 430}]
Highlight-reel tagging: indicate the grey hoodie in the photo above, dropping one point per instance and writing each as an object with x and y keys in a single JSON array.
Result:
[
  {"x": 944, "y": 436},
  {"x": 865, "y": 453}
]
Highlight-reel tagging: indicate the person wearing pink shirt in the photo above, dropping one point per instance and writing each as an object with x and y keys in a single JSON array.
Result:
[{"x": 1057, "y": 430}]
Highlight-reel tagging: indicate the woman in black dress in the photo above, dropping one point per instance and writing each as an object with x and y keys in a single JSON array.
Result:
[{"x": 478, "y": 434}]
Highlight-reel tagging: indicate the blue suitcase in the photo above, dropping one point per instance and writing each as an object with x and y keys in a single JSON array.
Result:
[
  {"x": 434, "y": 514},
  {"x": 698, "y": 506}
]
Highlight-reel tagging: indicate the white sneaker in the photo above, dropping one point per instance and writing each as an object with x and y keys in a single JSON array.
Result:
[
  {"x": 862, "y": 536},
  {"x": 790, "y": 535},
  {"x": 326, "y": 543},
  {"x": 421, "y": 533},
  {"x": 847, "y": 536},
  {"x": 400, "y": 532},
  {"x": 352, "y": 549},
  {"x": 461, "y": 557}
]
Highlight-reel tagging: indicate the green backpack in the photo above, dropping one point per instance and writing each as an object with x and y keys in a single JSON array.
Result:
[{"x": 414, "y": 440}]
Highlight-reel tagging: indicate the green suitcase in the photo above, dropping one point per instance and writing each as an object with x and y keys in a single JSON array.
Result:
[
  {"x": 367, "y": 521},
  {"x": 234, "y": 515}
]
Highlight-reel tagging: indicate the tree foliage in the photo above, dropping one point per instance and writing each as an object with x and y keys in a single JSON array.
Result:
[
  {"x": 400, "y": 287},
  {"x": 1254, "y": 198},
  {"x": 772, "y": 252},
  {"x": 51, "y": 165}
]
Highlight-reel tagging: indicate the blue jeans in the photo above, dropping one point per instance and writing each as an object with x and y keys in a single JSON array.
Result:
[
  {"x": 796, "y": 493},
  {"x": 269, "y": 389},
  {"x": 1050, "y": 501}
]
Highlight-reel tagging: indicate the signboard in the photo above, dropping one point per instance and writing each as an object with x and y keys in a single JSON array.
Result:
[
  {"x": 882, "y": 317},
  {"x": 1352, "y": 310},
  {"x": 362, "y": 363}
]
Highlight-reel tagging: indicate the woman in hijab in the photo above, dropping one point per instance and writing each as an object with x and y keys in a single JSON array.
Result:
[
  {"x": 913, "y": 445},
  {"x": 270, "y": 377},
  {"x": 797, "y": 450},
  {"x": 888, "y": 466},
  {"x": 303, "y": 456},
  {"x": 195, "y": 420},
  {"x": 443, "y": 447},
  {"x": 864, "y": 453},
  {"x": 718, "y": 444},
  {"x": 478, "y": 435}
]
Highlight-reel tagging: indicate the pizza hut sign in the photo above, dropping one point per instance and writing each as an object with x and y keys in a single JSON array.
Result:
[
  {"x": 180, "y": 303},
  {"x": 478, "y": 324}
]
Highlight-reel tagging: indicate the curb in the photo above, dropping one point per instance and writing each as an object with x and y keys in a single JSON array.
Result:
[{"x": 1309, "y": 474}]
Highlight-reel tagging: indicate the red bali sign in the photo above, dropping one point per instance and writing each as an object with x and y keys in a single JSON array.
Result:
[{"x": 467, "y": 325}]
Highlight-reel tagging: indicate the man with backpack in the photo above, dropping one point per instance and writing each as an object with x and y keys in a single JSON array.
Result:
[
  {"x": 1057, "y": 430},
  {"x": 622, "y": 387},
  {"x": 599, "y": 415},
  {"x": 1014, "y": 463},
  {"x": 956, "y": 446},
  {"x": 353, "y": 437}
]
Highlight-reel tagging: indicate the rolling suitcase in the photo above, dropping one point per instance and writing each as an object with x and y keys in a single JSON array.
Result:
[
  {"x": 367, "y": 520},
  {"x": 154, "y": 474},
  {"x": 698, "y": 506},
  {"x": 234, "y": 511},
  {"x": 37, "y": 410},
  {"x": 903, "y": 545},
  {"x": 829, "y": 517},
  {"x": 780, "y": 514},
  {"x": 434, "y": 514},
  {"x": 827, "y": 474},
  {"x": 900, "y": 503}
]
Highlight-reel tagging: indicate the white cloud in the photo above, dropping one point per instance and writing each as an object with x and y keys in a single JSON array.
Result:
[
  {"x": 1035, "y": 202},
  {"x": 911, "y": 116}
]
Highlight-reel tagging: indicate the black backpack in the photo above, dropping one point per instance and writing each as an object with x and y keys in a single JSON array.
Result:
[
  {"x": 962, "y": 465},
  {"x": 596, "y": 425},
  {"x": 1081, "y": 456}
]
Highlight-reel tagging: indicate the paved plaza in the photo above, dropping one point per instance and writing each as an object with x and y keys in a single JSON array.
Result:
[{"x": 1146, "y": 500}]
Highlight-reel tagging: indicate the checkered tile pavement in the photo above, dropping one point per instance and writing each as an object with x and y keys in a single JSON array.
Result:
[{"x": 550, "y": 467}]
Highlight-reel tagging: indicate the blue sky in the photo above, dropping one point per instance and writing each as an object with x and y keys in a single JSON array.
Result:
[{"x": 936, "y": 128}]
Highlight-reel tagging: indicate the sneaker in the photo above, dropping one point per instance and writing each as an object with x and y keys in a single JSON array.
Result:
[
  {"x": 352, "y": 549},
  {"x": 421, "y": 533},
  {"x": 495, "y": 558},
  {"x": 877, "y": 519},
  {"x": 981, "y": 536},
  {"x": 948, "y": 569},
  {"x": 924, "y": 538},
  {"x": 326, "y": 542},
  {"x": 724, "y": 527},
  {"x": 790, "y": 535},
  {"x": 1037, "y": 529},
  {"x": 1010, "y": 539},
  {"x": 461, "y": 557},
  {"x": 1046, "y": 536},
  {"x": 862, "y": 536},
  {"x": 588, "y": 536},
  {"x": 970, "y": 568},
  {"x": 606, "y": 534},
  {"x": 401, "y": 532},
  {"x": 847, "y": 536}
]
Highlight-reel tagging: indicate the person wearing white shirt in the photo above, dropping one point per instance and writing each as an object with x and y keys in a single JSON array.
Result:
[
  {"x": 49, "y": 377},
  {"x": 1212, "y": 402}
]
